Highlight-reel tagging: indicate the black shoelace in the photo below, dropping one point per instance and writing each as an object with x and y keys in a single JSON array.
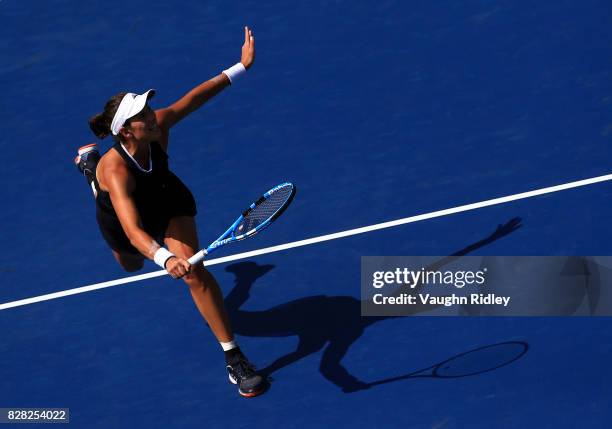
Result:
[{"x": 243, "y": 368}]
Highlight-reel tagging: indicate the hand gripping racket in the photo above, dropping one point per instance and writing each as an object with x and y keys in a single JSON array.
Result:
[{"x": 258, "y": 216}]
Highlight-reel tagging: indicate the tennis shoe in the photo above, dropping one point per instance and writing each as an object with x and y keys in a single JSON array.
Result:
[
  {"x": 87, "y": 158},
  {"x": 87, "y": 161},
  {"x": 242, "y": 373}
]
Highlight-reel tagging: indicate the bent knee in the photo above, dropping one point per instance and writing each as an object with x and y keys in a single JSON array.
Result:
[
  {"x": 132, "y": 267},
  {"x": 130, "y": 263}
]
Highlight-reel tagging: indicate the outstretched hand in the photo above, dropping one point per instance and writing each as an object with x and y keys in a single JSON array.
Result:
[{"x": 248, "y": 49}]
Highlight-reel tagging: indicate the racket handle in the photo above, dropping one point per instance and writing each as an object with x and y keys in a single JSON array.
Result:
[{"x": 198, "y": 257}]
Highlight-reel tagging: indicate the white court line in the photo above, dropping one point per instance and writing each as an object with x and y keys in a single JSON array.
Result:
[{"x": 318, "y": 239}]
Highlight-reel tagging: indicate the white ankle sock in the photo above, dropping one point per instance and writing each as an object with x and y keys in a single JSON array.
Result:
[{"x": 229, "y": 345}]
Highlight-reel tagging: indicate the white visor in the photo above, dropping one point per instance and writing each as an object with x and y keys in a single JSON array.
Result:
[{"x": 131, "y": 105}]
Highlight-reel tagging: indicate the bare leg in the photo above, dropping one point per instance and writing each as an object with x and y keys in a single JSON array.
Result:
[
  {"x": 128, "y": 261},
  {"x": 182, "y": 240}
]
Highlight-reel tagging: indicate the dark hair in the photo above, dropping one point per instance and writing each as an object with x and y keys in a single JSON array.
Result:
[{"x": 100, "y": 124}]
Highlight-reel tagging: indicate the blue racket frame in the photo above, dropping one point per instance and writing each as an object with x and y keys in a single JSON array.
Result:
[{"x": 228, "y": 236}]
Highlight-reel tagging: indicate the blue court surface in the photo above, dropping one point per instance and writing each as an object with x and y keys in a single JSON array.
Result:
[{"x": 376, "y": 111}]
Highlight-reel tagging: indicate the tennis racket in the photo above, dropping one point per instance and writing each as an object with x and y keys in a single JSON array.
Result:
[{"x": 254, "y": 219}]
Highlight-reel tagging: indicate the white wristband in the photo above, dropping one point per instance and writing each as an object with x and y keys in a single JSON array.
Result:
[
  {"x": 161, "y": 256},
  {"x": 234, "y": 72}
]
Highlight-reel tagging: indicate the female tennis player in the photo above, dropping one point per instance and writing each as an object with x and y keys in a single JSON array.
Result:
[{"x": 141, "y": 204}]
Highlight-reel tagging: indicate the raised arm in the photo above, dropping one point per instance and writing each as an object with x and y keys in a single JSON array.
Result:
[{"x": 194, "y": 99}]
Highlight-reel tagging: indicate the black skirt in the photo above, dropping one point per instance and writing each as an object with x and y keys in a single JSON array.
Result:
[
  {"x": 180, "y": 202},
  {"x": 159, "y": 195}
]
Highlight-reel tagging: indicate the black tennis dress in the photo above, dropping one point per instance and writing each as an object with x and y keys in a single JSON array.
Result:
[{"x": 159, "y": 195}]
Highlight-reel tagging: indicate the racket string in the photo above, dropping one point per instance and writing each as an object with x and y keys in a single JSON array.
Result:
[{"x": 264, "y": 210}]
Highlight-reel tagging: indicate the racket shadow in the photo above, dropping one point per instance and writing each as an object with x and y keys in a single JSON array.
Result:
[
  {"x": 337, "y": 325},
  {"x": 467, "y": 364}
]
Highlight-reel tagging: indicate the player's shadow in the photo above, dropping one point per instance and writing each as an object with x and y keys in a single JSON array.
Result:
[{"x": 330, "y": 322}]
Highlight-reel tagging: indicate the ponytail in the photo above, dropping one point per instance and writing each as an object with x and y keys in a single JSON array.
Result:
[
  {"x": 99, "y": 126},
  {"x": 100, "y": 123}
]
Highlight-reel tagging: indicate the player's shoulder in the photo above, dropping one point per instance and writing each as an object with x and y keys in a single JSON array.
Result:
[
  {"x": 114, "y": 169},
  {"x": 111, "y": 161}
]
